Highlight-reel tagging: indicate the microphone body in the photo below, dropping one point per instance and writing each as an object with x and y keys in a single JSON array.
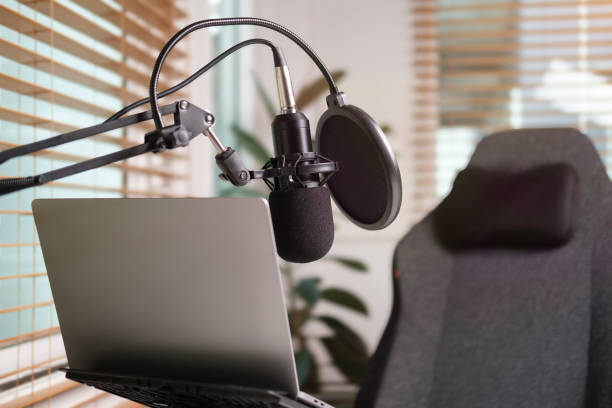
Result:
[{"x": 299, "y": 206}]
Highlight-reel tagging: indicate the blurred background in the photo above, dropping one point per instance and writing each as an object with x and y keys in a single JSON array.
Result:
[{"x": 438, "y": 75}]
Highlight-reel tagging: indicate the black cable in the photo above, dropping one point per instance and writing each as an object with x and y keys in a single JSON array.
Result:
[
  {"x": 223, "y": 22},
  {"x": 278, "y": 58}
]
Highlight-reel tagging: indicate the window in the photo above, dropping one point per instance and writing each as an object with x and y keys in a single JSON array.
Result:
[
  {"x": 67, "y": 64},
  {"x": 483, "y": 66}
]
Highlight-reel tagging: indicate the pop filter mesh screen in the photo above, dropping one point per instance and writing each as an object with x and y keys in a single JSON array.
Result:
[{"x": 359, "y": 187}]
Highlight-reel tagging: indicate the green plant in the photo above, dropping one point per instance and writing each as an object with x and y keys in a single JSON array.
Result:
[{"x": 345, "y": 347}]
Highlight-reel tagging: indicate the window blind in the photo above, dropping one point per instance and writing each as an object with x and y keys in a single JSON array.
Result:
[
  {"x": 67, "y": 64},
  {"x": 483, "y": 66}
]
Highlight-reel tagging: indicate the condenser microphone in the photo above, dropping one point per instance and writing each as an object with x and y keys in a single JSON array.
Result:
[{"x": 299, "y": 205}]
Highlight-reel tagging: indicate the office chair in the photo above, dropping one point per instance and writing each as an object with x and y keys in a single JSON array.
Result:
[{"x": 503, "y": 293}]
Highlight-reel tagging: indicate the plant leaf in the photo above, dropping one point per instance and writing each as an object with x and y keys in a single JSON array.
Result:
[
  {"x": 346, "y": 348},
  {"x": 350, "y": 263},
  {"x": 297, "y": 318},
  {"x": 386, "y": 129},
  {"x": 251, "y": 144},
  {"x": 303, "y": 363},
  {"x": 343, "y": 331},
  {"x": 240, "y": 192},
  {"x": 344, "y": 298},
  {"x": 261, "y": 91},
  {"x": 311, "y": 384},
  {"x": 352, "y": 365},
  {"x": 308, "y": 289},
  {"x": 316, "y": 89}
]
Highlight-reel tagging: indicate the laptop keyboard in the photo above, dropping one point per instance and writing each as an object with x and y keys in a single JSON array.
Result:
[
  {"x": 167, "y": 398},
  {"x": 191, "y": 397}
]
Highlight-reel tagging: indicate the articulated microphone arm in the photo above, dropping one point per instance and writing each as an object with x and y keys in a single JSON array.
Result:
[{"x": 189, "y": 122}]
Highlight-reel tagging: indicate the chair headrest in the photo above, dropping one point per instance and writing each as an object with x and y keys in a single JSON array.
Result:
[
  {"x": 522, "y": 150},
  {"x": 527, "y": 209}
]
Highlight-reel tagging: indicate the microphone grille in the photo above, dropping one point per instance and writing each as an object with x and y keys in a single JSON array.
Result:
[{"x": 303, "y": 223}]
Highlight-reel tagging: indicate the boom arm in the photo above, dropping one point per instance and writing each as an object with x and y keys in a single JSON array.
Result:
[{"x": 189, "y": 122}]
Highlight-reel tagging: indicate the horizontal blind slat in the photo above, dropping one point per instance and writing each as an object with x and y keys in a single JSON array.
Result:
[
  {"x": 500, "y": 5},
  {"x": 509, "y": 33},
  {"x": 19, "y": 244},
  {"x": 454, "y": 25},
  {"x": 25, "y": 275},
  {"x": 25, "y": 307},
  {"x": 526, "y": 46},
  {"x": 17, "y": 212},
  {"x": 468, "y": 61},
  {"x": 29, "y": 400}
]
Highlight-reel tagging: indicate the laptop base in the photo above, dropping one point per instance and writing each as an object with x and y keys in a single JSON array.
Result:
[{"x": 161, "y": 393}]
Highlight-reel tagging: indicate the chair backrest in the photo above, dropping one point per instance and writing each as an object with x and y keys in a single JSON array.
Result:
[{"x": 503, "y": 326}]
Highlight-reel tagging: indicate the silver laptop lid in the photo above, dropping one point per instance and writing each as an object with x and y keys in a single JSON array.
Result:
[{"x": 183, "y": 288}]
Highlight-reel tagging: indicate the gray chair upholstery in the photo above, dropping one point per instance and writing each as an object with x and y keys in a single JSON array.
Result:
[{"x": 504, "y": 327}]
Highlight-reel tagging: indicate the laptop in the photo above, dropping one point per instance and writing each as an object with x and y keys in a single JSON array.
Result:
[{"x": 171, "y": 302}]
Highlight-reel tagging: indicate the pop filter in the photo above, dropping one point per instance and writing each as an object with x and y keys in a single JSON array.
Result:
[{"x": 367, "y": 187}]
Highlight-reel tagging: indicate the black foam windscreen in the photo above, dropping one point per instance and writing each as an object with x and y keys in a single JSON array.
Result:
[
  {"x": 303, "y": 223},
  {"x": 367, "y": 187}
]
